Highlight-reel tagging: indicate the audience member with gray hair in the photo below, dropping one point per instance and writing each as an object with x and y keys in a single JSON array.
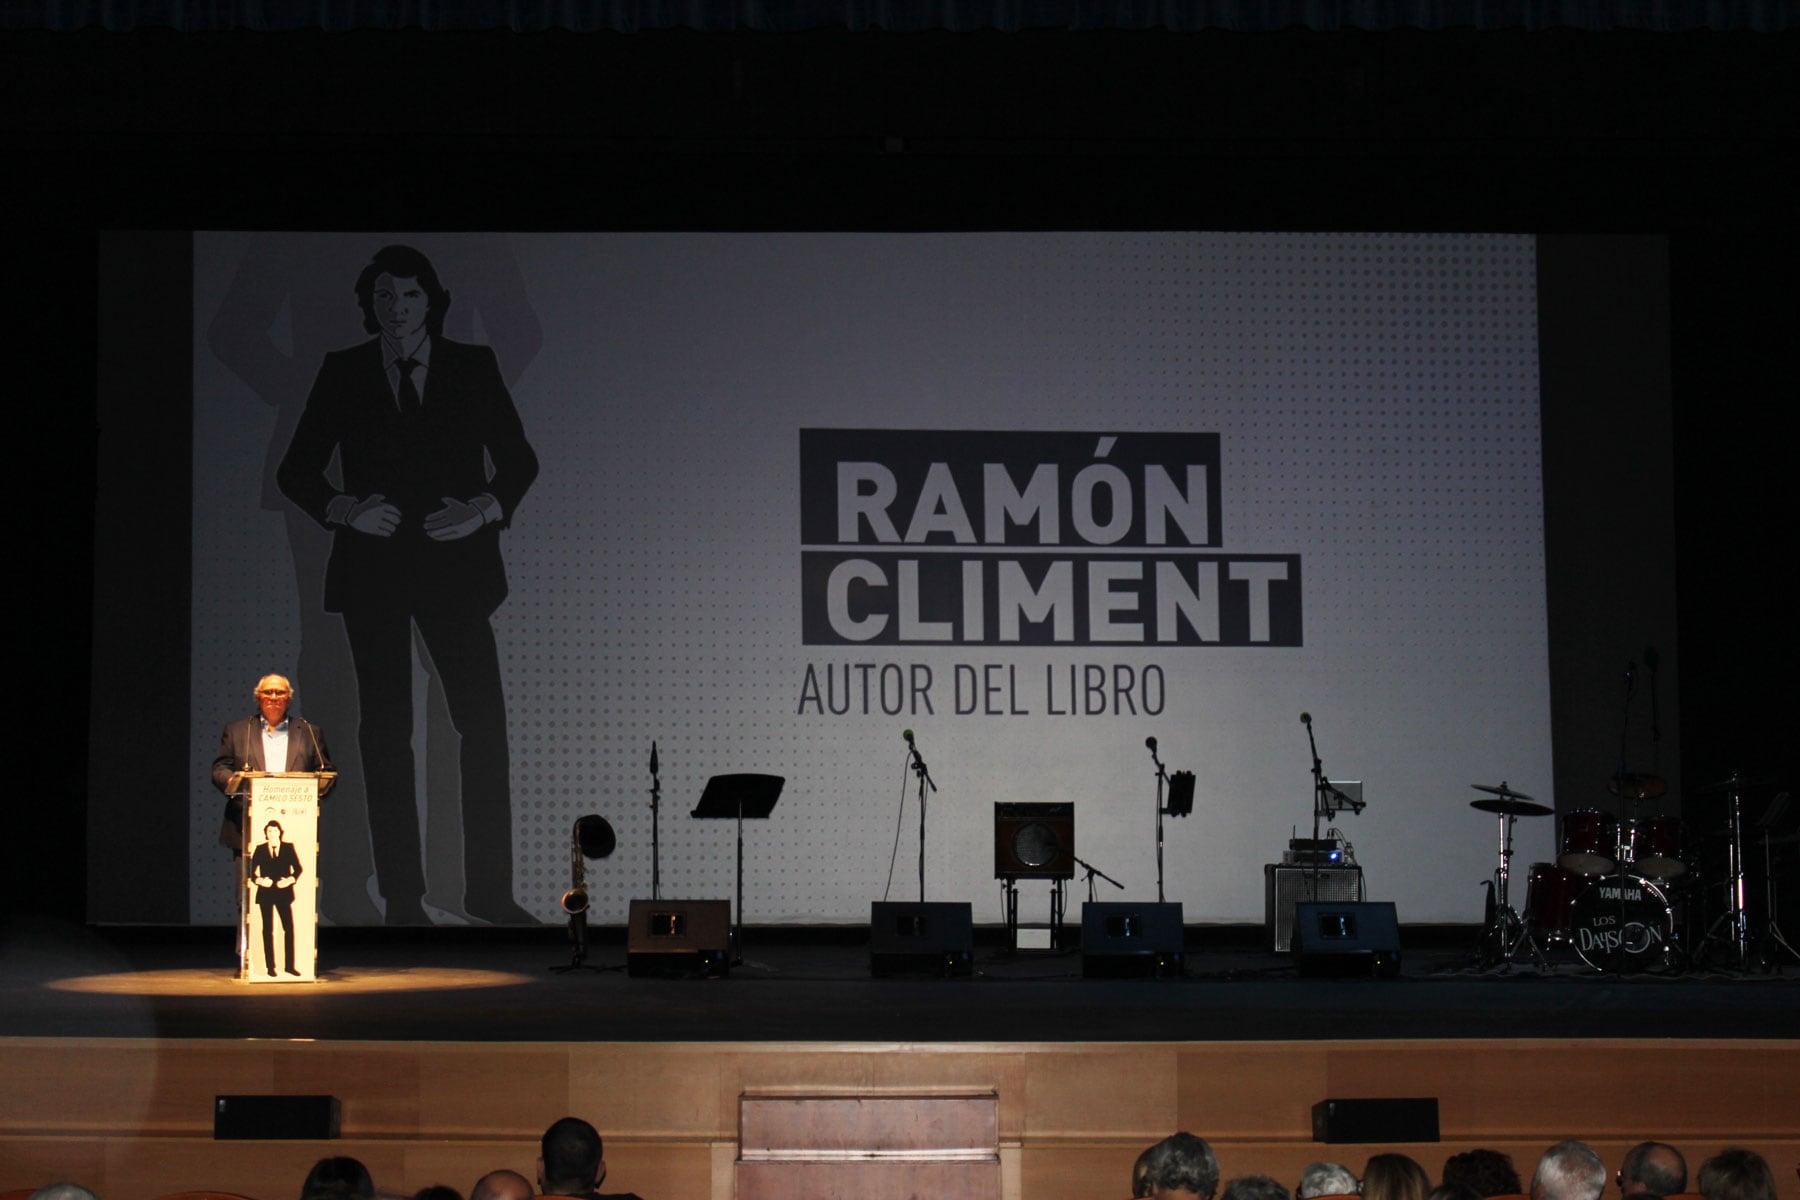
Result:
[
  {"x": 1326, "y": 1179},
  {"x": 1653, "y": 1169},
  {"x": 1569, "y": 1170},
  {"x": 1181, "y": 1165},
  {"x": 63, "y": 1191}
]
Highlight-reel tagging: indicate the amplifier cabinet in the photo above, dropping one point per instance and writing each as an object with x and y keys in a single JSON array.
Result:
[{"x": 1285, "y": 886}]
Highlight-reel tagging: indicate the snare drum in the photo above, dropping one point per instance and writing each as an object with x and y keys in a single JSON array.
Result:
[
  {"x": 1549, "y": 895},
  {"x": 1590, "y": 838},
  {"x": 1653, "y": 846},
  {"x": 1622, "y": 923}
]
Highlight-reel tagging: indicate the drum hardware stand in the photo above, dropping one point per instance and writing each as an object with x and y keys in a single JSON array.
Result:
[
  {"x": 1505, "y": 936},
  {"x": 1772, "y": 935},
  {"x": 1733, "y": 925}
]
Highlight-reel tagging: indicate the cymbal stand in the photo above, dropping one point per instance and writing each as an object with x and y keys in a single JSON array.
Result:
[
  {"x": 1772, "y": 935},
  {"x": 1506, "y": 936},
  {"x": 1733, "y": 925}
]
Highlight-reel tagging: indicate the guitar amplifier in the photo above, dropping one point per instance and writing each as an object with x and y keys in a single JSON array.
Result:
[{"x": 1285, "y": 886}]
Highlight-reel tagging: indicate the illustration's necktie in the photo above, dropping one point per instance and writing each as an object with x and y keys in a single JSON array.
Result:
[{"x": 409, "y": 395}]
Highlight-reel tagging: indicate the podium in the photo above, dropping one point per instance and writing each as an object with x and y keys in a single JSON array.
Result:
[{"x": 278, "y": 880}]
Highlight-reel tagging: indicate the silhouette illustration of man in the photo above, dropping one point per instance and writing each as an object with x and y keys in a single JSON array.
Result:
[
  {"x": 274, "y": 870},
  {"x": 433, "y": 462}
]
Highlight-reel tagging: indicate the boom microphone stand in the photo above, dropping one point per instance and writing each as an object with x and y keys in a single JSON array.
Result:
[{"x": 924, "y": 773}]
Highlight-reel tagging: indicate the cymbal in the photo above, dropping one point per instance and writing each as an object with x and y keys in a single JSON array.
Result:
[
  {"x": 1637, "y": 787},
  {"x": 1513, "y": 808},
  {"x": 1502, "y": 790},
  {"x": 1734, "y": 782}
]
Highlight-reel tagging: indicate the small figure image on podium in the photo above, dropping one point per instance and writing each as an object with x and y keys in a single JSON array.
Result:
[{"x": 279, "y": 905}]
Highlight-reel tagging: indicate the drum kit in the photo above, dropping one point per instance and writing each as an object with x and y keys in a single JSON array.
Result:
[
  {"x": 1620, "y": 888},
  {"x": 1612, "y": 894}
]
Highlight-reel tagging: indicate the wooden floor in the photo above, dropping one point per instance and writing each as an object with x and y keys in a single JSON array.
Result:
[{"x": 132, "y": 1117}]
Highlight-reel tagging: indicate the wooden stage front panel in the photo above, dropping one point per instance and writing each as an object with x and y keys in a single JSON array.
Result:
[{"x": 133, "y": 1118}]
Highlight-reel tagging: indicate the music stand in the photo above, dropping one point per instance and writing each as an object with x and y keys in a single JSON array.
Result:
[{"x": 739, "y": 797}]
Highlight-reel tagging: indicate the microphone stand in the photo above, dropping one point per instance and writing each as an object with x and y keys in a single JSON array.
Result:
[
  {"x": 655, "y": 812},
  {"x": 1320, "y": 802},
  {"x": 1091, "y": 871},
  {"x": 1162, "y": 778},
  {"x": 924, "y": 773}
]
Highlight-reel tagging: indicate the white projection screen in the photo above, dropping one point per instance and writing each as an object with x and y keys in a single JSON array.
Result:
[{"x": 1035, "y": 497}]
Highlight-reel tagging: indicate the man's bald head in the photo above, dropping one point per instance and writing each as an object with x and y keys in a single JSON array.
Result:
[{"x": 502, "y": 1185}]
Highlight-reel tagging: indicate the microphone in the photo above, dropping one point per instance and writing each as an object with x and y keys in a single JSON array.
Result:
[
  {"x": 1306, "y": 718},
  {"x": 1631, "y": 672},
  {"x": 907, "y": 734},
  {"x": 653, "y": 756},
  {"x": 1150, "y": 742}
]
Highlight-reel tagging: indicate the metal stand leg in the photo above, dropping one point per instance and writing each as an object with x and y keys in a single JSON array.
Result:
[
  {"x": 1506, "y": 936},
  {"x": 1733, "y": 925}
]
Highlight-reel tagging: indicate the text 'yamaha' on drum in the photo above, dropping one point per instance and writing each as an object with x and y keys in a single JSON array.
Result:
[
  {"x": 1622, "y": 924},
  {"x": 1589, "y": 840}
]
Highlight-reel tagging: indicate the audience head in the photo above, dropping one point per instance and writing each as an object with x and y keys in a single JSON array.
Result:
[
  {"x": 1568, "y": 1171},
  {"x": 502, "y": 1185},
  {"x": 338, "y": 1179},
  {"x": 1455, "y": 1191},
  {"x": 1394, "y": 1177},
  {"x": 1140, "y": 1174},
  {"x": 1255, "y": 1187},
  {"x": 1326, "y": 1179},
  {"x": 572, "y": 1158},
  {"x": 1181, "y": 1165},
  {"x": 1736, "y": 1174},
  {"x": 63, "y": 1191},
  {"x": 1486, "y": 1172},
  {"x": 1652, "y": 1168}
]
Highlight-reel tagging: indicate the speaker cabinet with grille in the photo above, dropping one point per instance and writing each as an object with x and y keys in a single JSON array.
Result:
[
  {"x": 1347, "y": 938},
  {"x": 1123, "y": 939},
  {"x": 678, "y": 937},
  {"x": 1034, "y": 841},
  {"x": 1285, "y": 886},
  {"x": 921, "y": 937}
]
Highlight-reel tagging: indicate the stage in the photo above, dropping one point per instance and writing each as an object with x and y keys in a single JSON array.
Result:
[
  {"x": 815, "y": 985},
  {"x": 449, "y": 1050}
]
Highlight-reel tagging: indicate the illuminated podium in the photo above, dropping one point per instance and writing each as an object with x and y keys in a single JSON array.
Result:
[{"x": 278, "y": 880}]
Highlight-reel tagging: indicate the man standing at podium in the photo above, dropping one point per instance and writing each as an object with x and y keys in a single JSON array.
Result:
[{"x": 268, "y": 740}]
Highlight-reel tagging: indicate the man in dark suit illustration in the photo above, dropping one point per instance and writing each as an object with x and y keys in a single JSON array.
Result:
[
  {"x": 433, "y": 460},
  {"x": 274, "y": 870},
  {"x": 271, "y": 739}
]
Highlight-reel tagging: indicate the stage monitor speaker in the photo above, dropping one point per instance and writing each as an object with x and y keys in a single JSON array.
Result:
[
  {"x": 1285, "y": 886},
  {"x": 275, "y": 1118},
  {"x": 1404, "y": 1120},
  {"x": 1125, "y": 939},
  {"x": 1347, "y": 939},
  {"x": 921, "y": 937},
  {"x": 680, "y": 937},
  {"x": 1034, "y": 841}
]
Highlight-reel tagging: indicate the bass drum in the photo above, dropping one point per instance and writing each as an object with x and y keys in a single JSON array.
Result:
[{"x": 1622, "y": 924}]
